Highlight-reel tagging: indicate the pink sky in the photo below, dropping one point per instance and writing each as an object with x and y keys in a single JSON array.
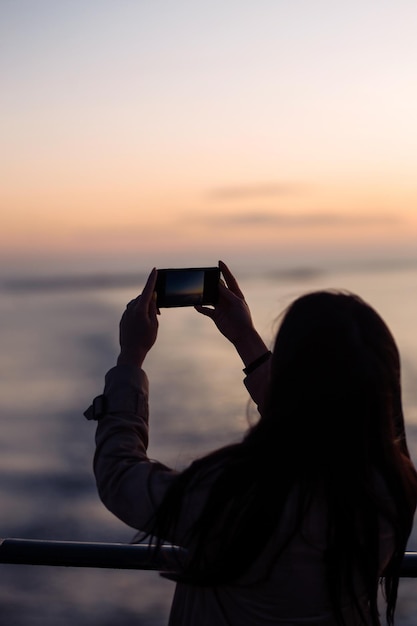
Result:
[{"x": 157, "y": 131}]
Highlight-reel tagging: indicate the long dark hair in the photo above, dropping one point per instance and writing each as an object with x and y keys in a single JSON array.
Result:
[{"x": 332, "y": 421}]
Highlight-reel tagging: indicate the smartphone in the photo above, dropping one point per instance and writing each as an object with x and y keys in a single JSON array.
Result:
[{"x": 187, "y": 287}]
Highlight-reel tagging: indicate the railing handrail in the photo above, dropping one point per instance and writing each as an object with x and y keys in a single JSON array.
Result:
[
  {"x": 112, "y": 555},
  {"x": 87, "y": 554}
]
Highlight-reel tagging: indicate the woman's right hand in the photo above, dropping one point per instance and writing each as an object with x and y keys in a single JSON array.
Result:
[
  {"x": 139, "y": 325},
  {"x": 232, "y": 317}
]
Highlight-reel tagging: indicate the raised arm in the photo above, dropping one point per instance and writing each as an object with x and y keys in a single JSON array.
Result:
[
  {"x": 233, "y": 319},
  {"x": 139, "y": 325}
]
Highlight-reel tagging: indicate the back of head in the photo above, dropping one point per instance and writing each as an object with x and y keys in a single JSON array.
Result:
[
  {"x": 335, "y": 394},
  {"x": 332, "y": 417}
]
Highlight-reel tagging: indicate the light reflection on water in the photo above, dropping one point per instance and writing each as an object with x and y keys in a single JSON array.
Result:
[{"x": 55, "y": 349}]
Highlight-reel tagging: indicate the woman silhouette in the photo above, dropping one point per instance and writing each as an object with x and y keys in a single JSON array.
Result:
[{"x": 300, "y": 521}]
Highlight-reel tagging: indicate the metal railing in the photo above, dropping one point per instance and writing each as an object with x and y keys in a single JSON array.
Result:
[
  {"x": 112, "y": 555},
  {"x": 87, "y": 554}
]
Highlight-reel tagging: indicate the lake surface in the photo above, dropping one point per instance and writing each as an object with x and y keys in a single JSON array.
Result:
[{"x": 57, "y": 339}]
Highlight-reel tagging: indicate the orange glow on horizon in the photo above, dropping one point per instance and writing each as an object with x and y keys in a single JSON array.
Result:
[{"x": 296, "y": 129}]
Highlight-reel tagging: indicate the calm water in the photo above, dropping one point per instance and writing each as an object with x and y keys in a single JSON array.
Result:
[{"x": 56, "y": 344}]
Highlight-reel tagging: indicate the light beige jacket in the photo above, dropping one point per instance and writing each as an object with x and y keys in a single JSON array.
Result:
[{"x": 131, "y": 486}]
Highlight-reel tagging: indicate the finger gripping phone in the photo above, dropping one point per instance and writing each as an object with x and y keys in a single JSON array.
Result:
[{"x": 187, "y": 286}]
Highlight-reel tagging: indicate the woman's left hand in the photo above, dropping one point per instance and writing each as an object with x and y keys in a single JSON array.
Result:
[{"x": 139, "y": 325}]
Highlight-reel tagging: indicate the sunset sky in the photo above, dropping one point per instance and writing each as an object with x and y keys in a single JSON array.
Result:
[{"x": 183, "y": 131}]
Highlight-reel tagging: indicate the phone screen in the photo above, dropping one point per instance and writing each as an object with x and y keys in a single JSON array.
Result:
[{"x": 187, "y": 287}]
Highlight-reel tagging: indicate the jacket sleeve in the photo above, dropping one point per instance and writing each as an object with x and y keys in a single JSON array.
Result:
[{"x": 129, "y": 484}]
